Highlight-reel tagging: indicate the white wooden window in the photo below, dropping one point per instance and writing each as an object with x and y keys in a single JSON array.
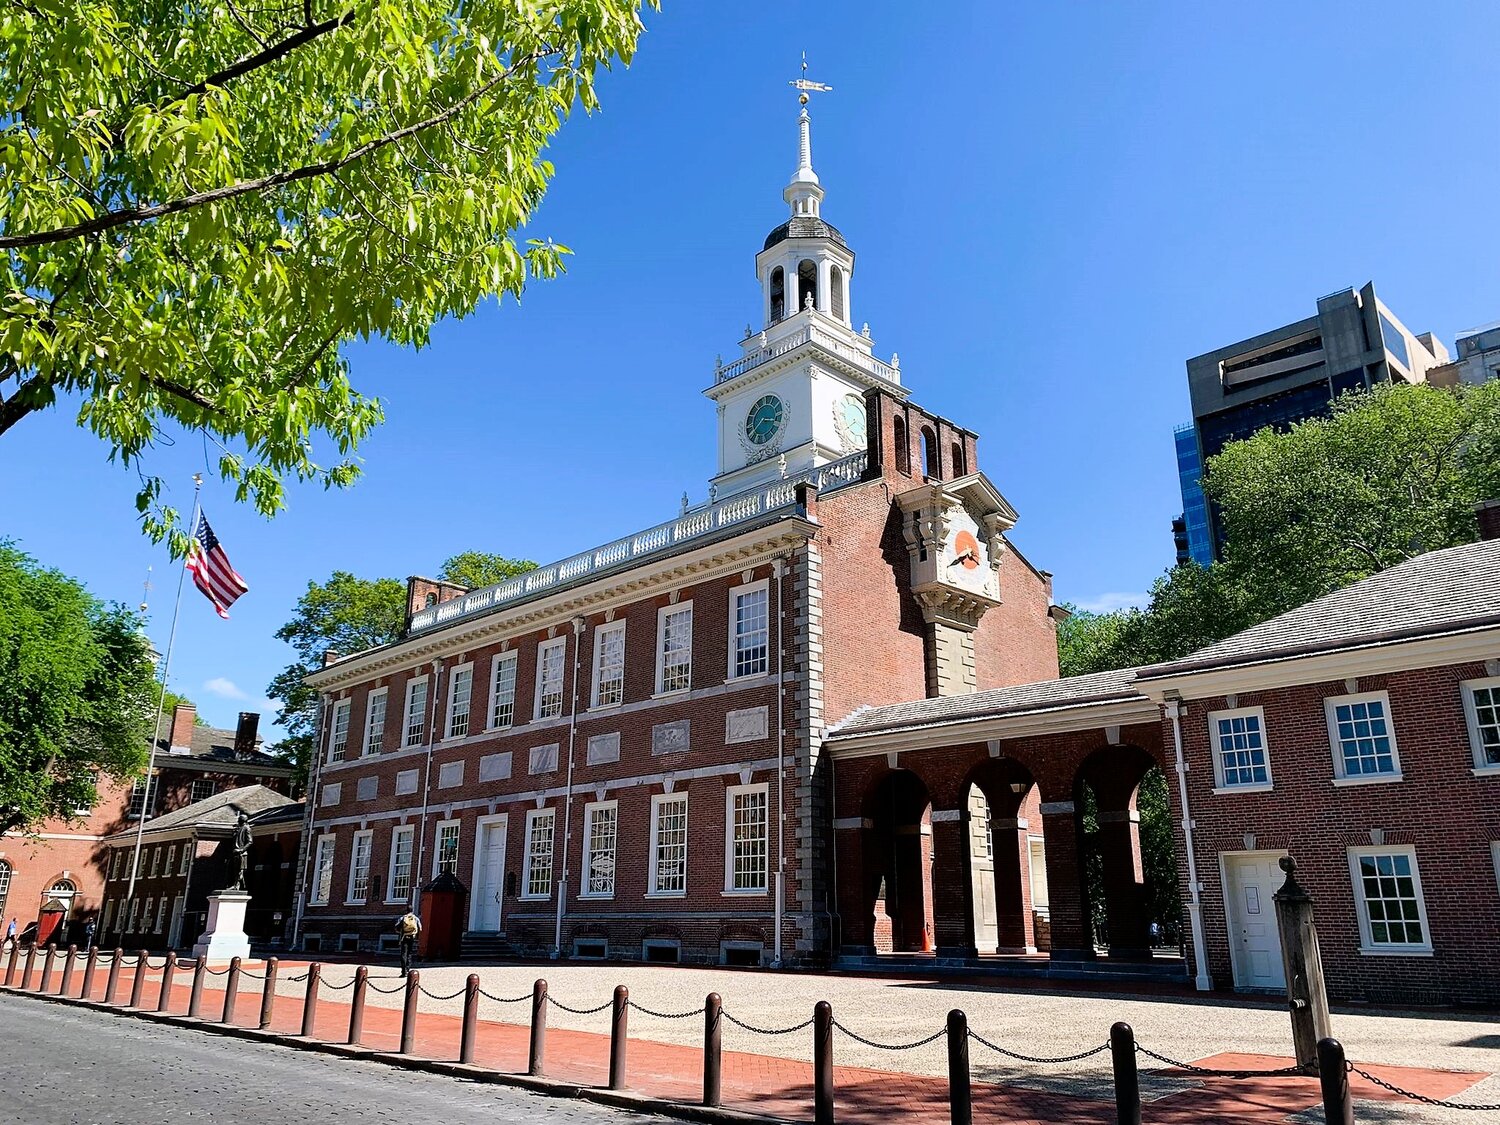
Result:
[
  {"x": 114, "y": 864},
  {"x": 503, "y": 691},
  {"x": 161, "y": 914},
  {"x": 749, "y": 627},
  {"x": 460, "y": 691},
  {"x": 1388, "y": 891},
  {"x": 142, "y": 797},
  {"x": 674, "y": 648},
  {"x": 609, "y": 664},
  {"x": 135, "y": 909},
  {"x": 747, "y": 838},
  {"x": 322, "y": 882},
  {"x": 1238, "y": 739},
  {"x": 550, "y": 663},
  {"x": 536, "y": 877},
  {"x": 338, "y": 739},
  {"x": 109, "y": 909},
  {"x": 669, "y": 844},
  {"x": 359, "y": 867},
  {"x": 201, "y": 790},
  {"x": 155, "y": 862},
  {"x": 600, "y": 839},
  {"x": 1482, "y": 710},
  {"x": 375, "y": 721},
  {"x": 415, "y": 723},
  {"x": 445, "y": 855},
  {"x": 1364, "y": 741},
  {"x": 187, "y": 858},
  {"x": 398, "y": 883},
  {"x": 171, "y": 861},
  {"x": 1036, "y": 849}
]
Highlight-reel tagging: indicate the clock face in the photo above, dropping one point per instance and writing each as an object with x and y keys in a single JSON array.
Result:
[
  {"x": 966, "y": 550},
  {"x": 764, "y": 419},
  {"x": 852, "y": 413}
]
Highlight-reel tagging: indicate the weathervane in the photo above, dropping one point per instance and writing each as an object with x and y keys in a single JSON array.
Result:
[{"x": 804, "y": 85}]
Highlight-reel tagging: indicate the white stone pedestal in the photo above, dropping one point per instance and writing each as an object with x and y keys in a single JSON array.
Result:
[{"x": 225, "y": 936}]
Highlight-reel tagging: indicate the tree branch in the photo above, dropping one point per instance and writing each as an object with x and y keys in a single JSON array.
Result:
[
  {"x": 127, "y": 215},
  {"x": 22, "y": 403}
]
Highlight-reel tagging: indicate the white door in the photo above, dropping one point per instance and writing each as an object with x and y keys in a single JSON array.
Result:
[
  {"x": 1250, "y": 879},
  {"x": 489, "y": 875}
]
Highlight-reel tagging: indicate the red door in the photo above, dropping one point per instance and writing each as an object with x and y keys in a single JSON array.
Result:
[{"x": 47, "y": 926}]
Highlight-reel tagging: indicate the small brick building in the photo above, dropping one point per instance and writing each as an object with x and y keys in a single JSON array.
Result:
[{"x": 53, "y": 882}]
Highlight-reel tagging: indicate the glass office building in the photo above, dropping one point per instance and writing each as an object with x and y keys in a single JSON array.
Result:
[{"x": 1200, "y": 542}]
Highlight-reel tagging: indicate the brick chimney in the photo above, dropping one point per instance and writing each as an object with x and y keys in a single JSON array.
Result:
[
  {"x": 184, "y": 715},
  {"x": 244, "y": 734},
  {"x": 1488, "y": 512}
]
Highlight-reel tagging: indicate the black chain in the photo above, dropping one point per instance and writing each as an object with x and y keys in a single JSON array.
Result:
[
  {"x": 1423, "y": 1098},
  {"x": 434, "y": 996},
  {"x": 252, "y": 976},
  {"x": 999, "y": 1050},
  {"x": 665, "y": 1015},
  {"x": 766, "y": 1030},
  {"x": 214, "y": 972},
  {"x": 336, "y": 987},
  {"x": 296, "y": 980},
  {"x": 1215, "y": 1072},
  {"x": 504, "y": 999},
  {"x": 577, "y": 1011},
  {"x": 858, "y": 1038},
  {"x": 385, "y": 991}
]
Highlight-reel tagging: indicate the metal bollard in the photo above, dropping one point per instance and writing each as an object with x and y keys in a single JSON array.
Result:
[
  {"x": 409, "y": 1011},
  {"x": 713, "y": 1049},
  {"x": 960, "y": 1095},
  {"x": 1333, "y": 1077},
  {"x": 30, "y": 965},
  {"x": 231, "y": 990},
  {"x": 310, "y": 1003},
  {"x": 138, "y": 985},
  {"x": 47, "y": 967},
  {"x": 10, "y": 966},
  {"x": 537, "y": 1056},
  {"x": 1127, "y": 1076},
  {"x": 112, "y": 985},
  {"x": 268, "y": 997},
  {"x": 823, "y": 1063},
  {"x": 195, "y": 997},
  {"x": 168, "y": 970},
  {"x": 471, "y": 1020},
  {"x": 66, "y": 986},
  {"x": 357, "y": 1005},
  {"x": 90, "y": 967},
  {"x": 618, "y": 1028}
]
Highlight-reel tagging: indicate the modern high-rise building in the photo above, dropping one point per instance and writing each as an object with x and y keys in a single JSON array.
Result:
[{"x": 1286, "y": 375}]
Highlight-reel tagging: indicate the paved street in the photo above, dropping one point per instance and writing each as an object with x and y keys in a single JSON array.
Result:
[{"x": 71, "y": 1067}]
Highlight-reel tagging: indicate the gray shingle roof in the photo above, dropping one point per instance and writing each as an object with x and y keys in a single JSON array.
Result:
[
  {"x": 217, "y": 811},
  {"x": 1046, "y": 695},
  {"x": 804, "y": 226},
  {"x": 216, "y": 745},
  {"x": 1440, "y": 592}
]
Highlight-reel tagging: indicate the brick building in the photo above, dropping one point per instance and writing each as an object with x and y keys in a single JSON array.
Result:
[
  {"x": 185, "y": 856},
  {"x": 1359, "y": 734},
  {"x": 53, "y": 881},
  {"x": 620, "y": 754}
]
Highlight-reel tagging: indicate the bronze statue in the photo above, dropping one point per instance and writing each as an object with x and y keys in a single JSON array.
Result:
[{"x": 241, "y": 860}]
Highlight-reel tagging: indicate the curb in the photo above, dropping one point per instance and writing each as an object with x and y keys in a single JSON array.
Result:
[{"x": 551, "y": 1087}]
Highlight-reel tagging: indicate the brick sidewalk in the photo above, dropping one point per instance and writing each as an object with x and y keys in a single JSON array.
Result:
[{"x": 757, "y": 1083}]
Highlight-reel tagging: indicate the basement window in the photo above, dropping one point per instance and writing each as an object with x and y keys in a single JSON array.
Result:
[
  {"x": 590, "y": 949},
  {"x": 661, "y": 952},
  {"x": 744, "y": 954}
]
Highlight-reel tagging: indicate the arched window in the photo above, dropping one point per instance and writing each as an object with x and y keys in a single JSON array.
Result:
[
  {"x": 431, "y": 598},
  {"x": 5, "y": 873},
  {"x": 62, "y": 887},
  {"x": 930, "y": 455},
  {"x": 836, "y": 291},
  {"x": 903, "y": 446},
  {"x": 778, "y": 294},
  {"x": 807, "y": 283},
  {"x": 960, "y": 462}
]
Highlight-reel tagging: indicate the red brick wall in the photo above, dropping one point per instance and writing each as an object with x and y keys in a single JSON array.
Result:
[
  {"x": 1016, "y": 642},
  {"x": 1443, "y": 810}
]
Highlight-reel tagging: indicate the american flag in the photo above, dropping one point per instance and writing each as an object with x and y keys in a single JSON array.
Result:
[{"x": 212, "y": 572}]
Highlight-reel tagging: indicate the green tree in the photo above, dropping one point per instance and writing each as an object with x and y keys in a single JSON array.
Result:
[
  {"x": 76, "y": 694},
  {"x": 479, "y": 568},
  {"x": 200, "y": 204}
]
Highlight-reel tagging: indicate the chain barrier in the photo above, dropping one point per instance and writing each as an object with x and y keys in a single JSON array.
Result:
[
  {"x": 664, "y": 1015},
  {"x": 1423, "y": 1098},
  {"x": 386, "y": 991},
  {"x": 295, "y": 980},
  {"x": 246, "y": 974},
  {"x": 556, "y": 1003},
  {"x": 766, "y": 1030},
  {"x": 434, "y": 996},
  {"x": 999, "y": 1050},
  {"x": 336, "y": 987},
  {"x": 1215, "y": 1072},
  {"x": 215, "y": 972},
  {"x": 858, "y": 1038},
  {"x": 505, "y": 999}
]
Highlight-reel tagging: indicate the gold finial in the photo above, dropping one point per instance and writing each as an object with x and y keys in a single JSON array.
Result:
[{"x": 804, "y": 86}]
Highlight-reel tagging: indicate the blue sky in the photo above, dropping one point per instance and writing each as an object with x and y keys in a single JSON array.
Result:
[{"x": 1053, "y": 206}]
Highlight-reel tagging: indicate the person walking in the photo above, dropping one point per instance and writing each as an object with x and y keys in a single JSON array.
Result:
[
  {"x": 10, "y": 933},
  {"x": 88, "y": 935},
  {"x": 408, "y": 926}
]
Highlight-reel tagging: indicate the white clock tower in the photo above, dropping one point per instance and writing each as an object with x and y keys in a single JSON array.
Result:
[{"x": 794, "y": 399}]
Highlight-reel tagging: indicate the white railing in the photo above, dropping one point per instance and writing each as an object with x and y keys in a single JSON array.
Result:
[
  {"x": 809, "y": 335},
  {"x": 737, "y": 509}
]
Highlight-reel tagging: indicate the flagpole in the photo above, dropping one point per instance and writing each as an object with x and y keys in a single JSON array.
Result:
[{"x": 161, "y": 706}]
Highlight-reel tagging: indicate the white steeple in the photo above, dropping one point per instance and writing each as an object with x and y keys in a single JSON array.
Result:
[{"x": 804, "y": 192}]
